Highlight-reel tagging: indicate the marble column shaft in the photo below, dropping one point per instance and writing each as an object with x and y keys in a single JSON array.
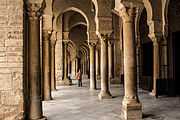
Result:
[
  {"x": 104, "y": 93},
  {"x": 53, "y": 79},
  {"x": 130, "y": 58},
  {"x": 65, "y": 61},
  {"x": 97, "y": 63},
  {"x": 131, "y": 106},
  {"x": 46, "y": 65},
  {"x": 92, "y": 67},
  {"x": 35, "y": 100},
  {"x": 111, "y": 59},
  {"x": 156, "y": 65}
]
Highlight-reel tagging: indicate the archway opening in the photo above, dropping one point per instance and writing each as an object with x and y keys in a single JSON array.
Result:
[{"x": 146, "y": 54}]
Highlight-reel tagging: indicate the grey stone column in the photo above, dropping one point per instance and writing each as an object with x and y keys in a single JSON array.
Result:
[
  {"x": 46, "y": 65},
  {"x": 104, "y": 93},
  {"x": 69, "y": 65},
  {"x": 131, "y": 106},
  {"x": 111, "y": 58},
  {"x": 53, "y": 79},
  {"x": 92, "y": 47},
  {"x": 84, "y": 66},
  {"x": 65, "y": 80},
  {"x": 34, "y": 74},
  {"x": 97, "y": 64},
  {"x": 77, "y": 66}
]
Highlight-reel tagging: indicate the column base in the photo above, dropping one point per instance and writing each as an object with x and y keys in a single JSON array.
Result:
[
  {"x": 153, "y": 93},
  {"x": 65, "y": 82},
  {"x": 54, "y": 89},
  {"x": 131, "y": 111},
  {"x": 92, "y": 89},
  {"x": 104, "y": 95},
  {"x": 43, "y": 118},
  {"x": 47, "y": 99}
]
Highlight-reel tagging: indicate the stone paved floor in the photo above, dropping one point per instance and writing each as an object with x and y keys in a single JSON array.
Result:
[{"x": 73, "y": 103}]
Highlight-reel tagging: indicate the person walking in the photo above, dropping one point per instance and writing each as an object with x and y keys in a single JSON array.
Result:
[{"x": 79, "y": 78}]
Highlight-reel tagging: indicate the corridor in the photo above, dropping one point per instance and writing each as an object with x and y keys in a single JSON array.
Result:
[{"x": 73, "y": 103}]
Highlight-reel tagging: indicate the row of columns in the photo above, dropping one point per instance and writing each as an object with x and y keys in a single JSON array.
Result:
[
  {"x": 131, "y": 103},
  {"x": 106, "y": 66}
]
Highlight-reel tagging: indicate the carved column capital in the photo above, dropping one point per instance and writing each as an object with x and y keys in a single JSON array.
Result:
[
  {"x": 47, "y": 35},
  {"x": 128, "y": 14},
  {"x": 110, "y": 42},
  {"x": 53, "y": 38},
  {"x": 66, "y": 35},
  {"x": 106, "y": 37},
  {"x": 156, "y": 38},
  {"x": 93, "y": 43},
  {"x": 65, "y": 42},
  {"x": 35, "y": 9}
]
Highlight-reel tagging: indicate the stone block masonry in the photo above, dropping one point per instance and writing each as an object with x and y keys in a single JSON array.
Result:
[{"x": 11, "y": 60}]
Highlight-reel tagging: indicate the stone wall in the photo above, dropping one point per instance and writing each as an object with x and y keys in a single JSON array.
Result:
[{"x": 11, "y": 59}]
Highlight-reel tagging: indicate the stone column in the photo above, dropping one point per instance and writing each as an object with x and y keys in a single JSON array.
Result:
[
  {"x": 156, "y": 64},
  {"x": 65, "y": 80},
  {"x": 46, "y": 65},
  {"x": 84, "y": 66},
  {"x": 88, "y": 66},
  {"x": 104, "y": 93},
  {"x": 53, "y": 79},
  {"x": 77, "y": 65},
  {"x": 111, "y": 59},
  {"x": 97, "y": 64},
  {"x": 131, "y": 106},
  {"x": 92, "y": 47},
  {"x": 34, "y": 74},
  {"x": 69, "y": 65}
]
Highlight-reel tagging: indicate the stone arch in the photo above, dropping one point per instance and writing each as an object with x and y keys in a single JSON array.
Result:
[
  {"x": 72, "y": 49},
  {"x": 73, "y": 9},
  {"x": 154, "y": 17},
  {"x": 96, "y": 14},
  {"x": 165, "y": 10},
  {"x": 76, "y": 24}
]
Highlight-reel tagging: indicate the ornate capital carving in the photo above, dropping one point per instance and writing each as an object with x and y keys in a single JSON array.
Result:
[
  {"x": 128, "y": 14},
  {"x": 93, "y": 43},
  {"x": 156, "y": 38},
  {"x": 54, "y": 35},
  {"x": 35, "y": 9},
  {"x": 47, "y": 35},
  {"x": 110, "y": 42},
  {"x": 106, "y": 37},
  {"x": 127, "y": 9},
  {"x": 65, "y": 42},
  {"x": 66, "y": 35}
]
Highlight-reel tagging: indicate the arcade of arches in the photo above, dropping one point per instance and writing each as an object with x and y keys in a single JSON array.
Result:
[{"x": 129, "y": 43}]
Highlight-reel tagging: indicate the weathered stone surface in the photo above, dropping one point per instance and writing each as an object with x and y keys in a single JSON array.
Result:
[
  {"x": 11, "y": 60},
  {"x": 5, "y": 81}
]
